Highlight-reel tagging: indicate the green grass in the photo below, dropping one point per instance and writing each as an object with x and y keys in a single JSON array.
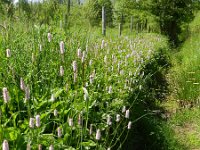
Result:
[
  {"x": 184, "y": 79},
  {"x": 126, "y": 71},
  {"x": 186, "y": 126},
  {"x": 185, "y": 73},
  {"x": 117, "y": 64}
]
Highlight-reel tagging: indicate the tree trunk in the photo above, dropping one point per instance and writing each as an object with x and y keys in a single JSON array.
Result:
[
  {"x": 173, "y": 32},
  {"x": 171, "y": 29},
  {"x": 68, "y": 6}
]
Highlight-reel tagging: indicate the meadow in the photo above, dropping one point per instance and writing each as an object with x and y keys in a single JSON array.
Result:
[
  {"x": 70, "y": 91},
  {"x": 66, "y": 83}
]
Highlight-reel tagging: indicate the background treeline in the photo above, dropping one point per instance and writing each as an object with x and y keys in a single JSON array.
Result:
[{"x": 168, "y": 17}]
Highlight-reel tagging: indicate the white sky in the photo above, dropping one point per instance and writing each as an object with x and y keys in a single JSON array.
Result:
[
  {"x": 15, "y": 1},
  {"x": 29, "y": 0},
  {"x": 37, "y": 1}
]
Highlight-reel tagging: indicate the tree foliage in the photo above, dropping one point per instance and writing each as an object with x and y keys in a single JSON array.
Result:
[
  {"x": 172, "y": 14},
  {"x": 169, "y": 15},
  {"x": 24, "y": 5},
  {"x": 7, "y": 8},
  {"x": 93, "y": 10}
]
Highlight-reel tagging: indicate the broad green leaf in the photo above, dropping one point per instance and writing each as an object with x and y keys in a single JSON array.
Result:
[{"x": 89, "y": 143}]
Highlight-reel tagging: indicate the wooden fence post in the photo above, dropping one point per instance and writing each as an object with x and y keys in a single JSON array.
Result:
[
  {"x": 137, "y": 27},
  {"x": 131, "y": 24},
  {"x": 103, "y": 21},
  {"x": 146, "y": 24},
  {"x": 141, "y": 26},
  {"x": 120, "y": 29},
  {"x": 121, "y": 25}
]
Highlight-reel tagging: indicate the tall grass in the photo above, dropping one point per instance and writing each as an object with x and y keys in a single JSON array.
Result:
[
  {"x": 185, "y": 75},
  {"x": 76, "y": 95}
]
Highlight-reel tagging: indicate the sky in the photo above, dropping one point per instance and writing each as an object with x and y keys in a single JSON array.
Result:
[
  {"x": 29, "y": 0},
  {"x": 36, "y": 0}
]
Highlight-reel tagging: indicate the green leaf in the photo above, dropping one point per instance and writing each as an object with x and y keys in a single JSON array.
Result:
[
  {"x": 58, "y": 92},
  {"x": 90, "y": 143},
  {"x": 70, "y": 148},
  {"x": 11, "y": 133}
]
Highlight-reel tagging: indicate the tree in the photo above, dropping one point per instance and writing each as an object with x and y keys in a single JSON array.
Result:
[
  {"x": 25, "y": 7},
  {"x": 133, "y": 11},
  {"x": 7, "y": 7},
  {"x": 93, "y": 10},
  {"x": 172, "y": 14}
]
